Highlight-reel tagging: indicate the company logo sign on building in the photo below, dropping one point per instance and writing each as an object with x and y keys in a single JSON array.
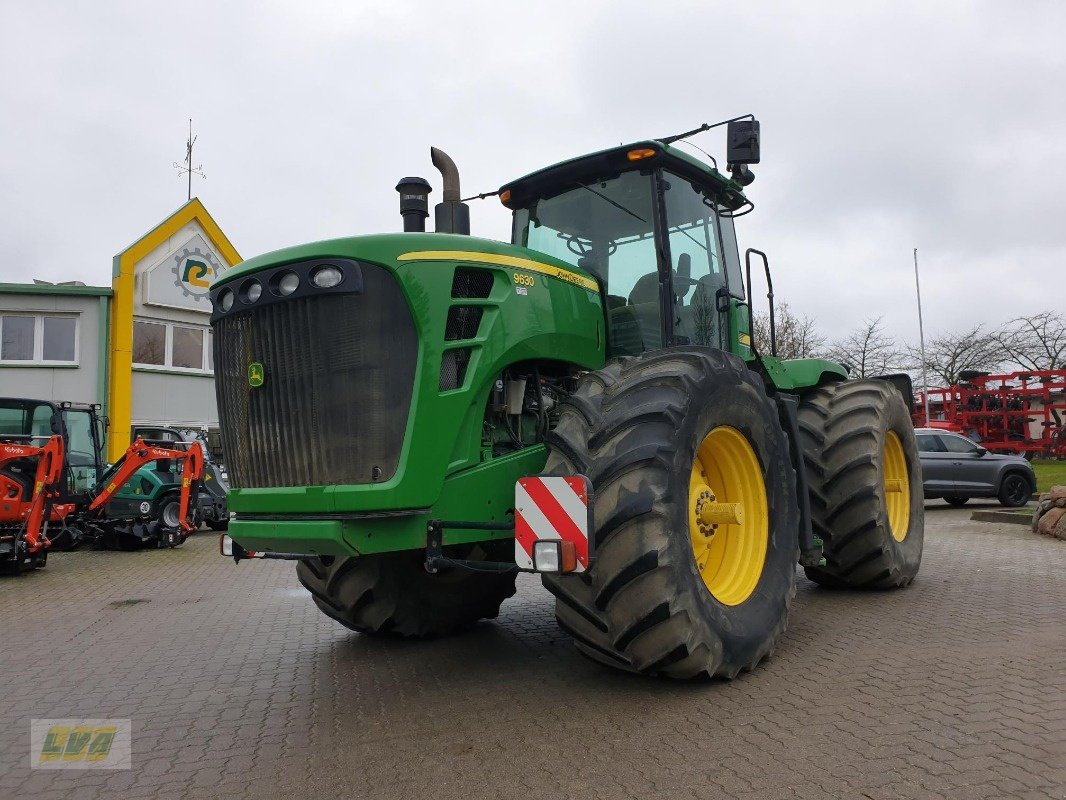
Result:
[
  {"x": 184, "y": 277},
  {"x": 194, "y": 272}
]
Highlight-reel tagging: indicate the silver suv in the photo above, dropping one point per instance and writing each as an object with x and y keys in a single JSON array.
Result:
[{"x": 956, "y": 469}]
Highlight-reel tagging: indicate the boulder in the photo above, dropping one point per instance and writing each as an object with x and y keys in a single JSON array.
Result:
[
  {"x": 1050, "y": 515},
  {"x": 1060, "y": 529},
  {"x": 1049, "y": 520}
]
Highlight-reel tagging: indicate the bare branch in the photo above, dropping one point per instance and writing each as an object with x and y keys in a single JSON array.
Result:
[
  {"x": 949, "y": 355},
  {"x": 869, "y": 351},
  {"x": 1035, "y": 342},
  {"x": 797, "y": 337}
]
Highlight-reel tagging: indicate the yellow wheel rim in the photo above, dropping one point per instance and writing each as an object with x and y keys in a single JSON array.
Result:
[
  {"x": 728, "y": 521},
  {"x": 897, "y": 487}
]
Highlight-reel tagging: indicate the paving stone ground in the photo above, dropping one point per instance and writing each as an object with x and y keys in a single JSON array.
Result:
[{"x": 238, "y": 687}]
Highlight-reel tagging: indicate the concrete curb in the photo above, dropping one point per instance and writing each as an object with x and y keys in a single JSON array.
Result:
[{"x": 1023, "y": 517}]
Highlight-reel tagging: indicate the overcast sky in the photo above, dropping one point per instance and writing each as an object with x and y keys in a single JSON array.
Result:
[{"x": 886, "y": 126}]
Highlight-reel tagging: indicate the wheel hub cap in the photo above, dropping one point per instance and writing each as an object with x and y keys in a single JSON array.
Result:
[
  {"x": 728, "y": 516},
  {"x": 897, "y": 487}
]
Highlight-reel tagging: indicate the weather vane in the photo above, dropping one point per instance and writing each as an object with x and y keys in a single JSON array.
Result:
[{"x": 186, "y": 168}]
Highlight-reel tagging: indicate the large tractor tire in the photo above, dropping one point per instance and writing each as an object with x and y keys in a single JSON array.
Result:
[
  {"x": 695, "y": 515},
  {"x": 865, "y": 482},
  {"x": 391, "y": 594}
]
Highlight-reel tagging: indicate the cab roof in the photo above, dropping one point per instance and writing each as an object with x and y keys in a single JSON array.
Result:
[{"x": 566, "y": 175}]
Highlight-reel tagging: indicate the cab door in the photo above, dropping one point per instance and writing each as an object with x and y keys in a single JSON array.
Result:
[{"x": 697, "y": 269}]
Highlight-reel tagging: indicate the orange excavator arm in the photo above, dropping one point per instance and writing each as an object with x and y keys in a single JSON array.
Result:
[
  {"x": 49, "y": 471},
  {"x": 141, "y": 453}
]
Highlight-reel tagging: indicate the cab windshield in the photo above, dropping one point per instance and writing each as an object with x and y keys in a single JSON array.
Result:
[{"x": 608, "y": 229}]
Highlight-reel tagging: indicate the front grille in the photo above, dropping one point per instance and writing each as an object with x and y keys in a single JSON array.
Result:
[{"x": 337, "y": 378}]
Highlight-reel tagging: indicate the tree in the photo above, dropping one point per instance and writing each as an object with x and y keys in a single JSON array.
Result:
[
  {"x": 1035, "y": 342},
  {"x": 949, "y": 355},
  {"x": 868, "y": 351},
  {"x": 797, "y": 337}
]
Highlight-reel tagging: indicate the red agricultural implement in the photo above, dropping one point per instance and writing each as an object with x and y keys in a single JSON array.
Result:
[{"x": 1019, "y": 412}]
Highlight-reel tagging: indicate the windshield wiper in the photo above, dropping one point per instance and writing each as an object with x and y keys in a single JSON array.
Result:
[{"x": 617, "y": 205}]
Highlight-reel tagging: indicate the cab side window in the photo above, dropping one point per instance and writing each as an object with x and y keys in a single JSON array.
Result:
[{"x": 41, "y": 424}]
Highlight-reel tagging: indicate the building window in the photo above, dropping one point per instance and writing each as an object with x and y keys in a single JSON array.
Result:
[
  {"x": 58, "y": 338},
  {"x": 172, "y": 346},
  {"x": 39, "y": 339},
  {"x": 149, "y": 343},
  {"x": 188, "y": 348},
  {"x": 17, "y": 336}
]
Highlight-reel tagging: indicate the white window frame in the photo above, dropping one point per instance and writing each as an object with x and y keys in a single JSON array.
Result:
[
  {"x": 38, "y": 360},
  {"x": 168, "y": 349}
]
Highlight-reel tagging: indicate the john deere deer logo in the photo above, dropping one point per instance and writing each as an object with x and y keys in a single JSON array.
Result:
[{"x": 255, "y": 374}]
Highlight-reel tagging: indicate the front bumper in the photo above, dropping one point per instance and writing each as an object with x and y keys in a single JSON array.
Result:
[{"x": 482, "y": 494}]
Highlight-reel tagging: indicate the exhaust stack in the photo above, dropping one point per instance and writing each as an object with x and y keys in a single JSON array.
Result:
[{"x": 452, "y": 215}]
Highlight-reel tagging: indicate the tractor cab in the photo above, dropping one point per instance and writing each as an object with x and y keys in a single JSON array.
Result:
[{"x": 655, "y": 226}]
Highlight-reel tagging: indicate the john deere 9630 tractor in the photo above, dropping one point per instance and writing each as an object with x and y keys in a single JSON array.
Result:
[{"x": 381, "y": 396}]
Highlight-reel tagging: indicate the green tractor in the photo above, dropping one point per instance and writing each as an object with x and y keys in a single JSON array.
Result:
[{"x": 416, "y": 417}]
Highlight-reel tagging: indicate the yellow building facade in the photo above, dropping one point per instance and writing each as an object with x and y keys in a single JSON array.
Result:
[{"x": 160, "y": 367}]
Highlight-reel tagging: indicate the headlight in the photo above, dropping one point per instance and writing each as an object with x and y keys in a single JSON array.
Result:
[
  {"x": 327, "y": 277},
  {"x": 252, "y": 291},
  {"x": 225, "y": 300},
  {"x": 288, "y": 284}
]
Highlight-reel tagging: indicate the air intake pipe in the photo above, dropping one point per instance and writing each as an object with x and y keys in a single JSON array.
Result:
[
  {"x": 452, "y": 215},
  {"x": 414, "y": 203}
]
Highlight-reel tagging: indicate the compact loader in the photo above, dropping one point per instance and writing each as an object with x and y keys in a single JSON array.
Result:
[{"x": 416, "y": 417}]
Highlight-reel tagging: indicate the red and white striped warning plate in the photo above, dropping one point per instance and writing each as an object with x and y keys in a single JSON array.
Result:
[{"x": 551, "y": 508}]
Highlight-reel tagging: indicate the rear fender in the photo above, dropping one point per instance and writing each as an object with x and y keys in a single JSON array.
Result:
[{"x": 904, "y": 385}]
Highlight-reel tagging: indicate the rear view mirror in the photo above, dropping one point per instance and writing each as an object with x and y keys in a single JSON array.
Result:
[
  {"x": 742, "y": 142},
  {"x": 982, "y": 451}
]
